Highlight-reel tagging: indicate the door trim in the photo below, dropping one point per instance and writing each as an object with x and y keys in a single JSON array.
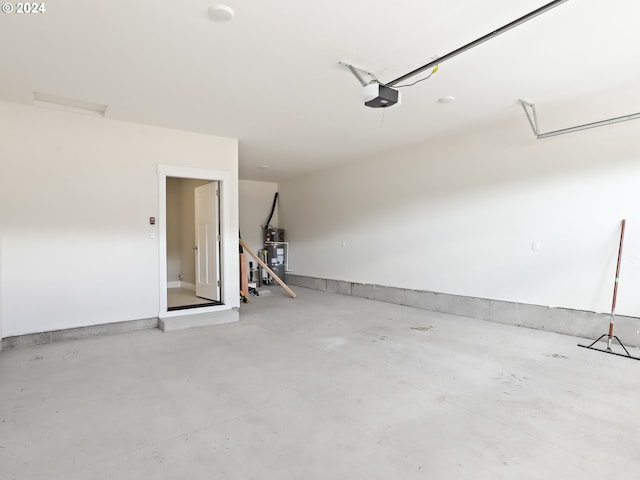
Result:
[{"x": 228, "y": 240}]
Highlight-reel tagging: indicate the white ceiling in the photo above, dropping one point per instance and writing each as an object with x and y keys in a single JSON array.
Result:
[{"x": 271, "y": 76}]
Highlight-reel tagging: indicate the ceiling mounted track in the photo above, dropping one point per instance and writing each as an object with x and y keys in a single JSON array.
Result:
[
  {"x": 478, "y": 41},
  {"x": 532, "y": 116},
  {"x": 377, "y": 94}
]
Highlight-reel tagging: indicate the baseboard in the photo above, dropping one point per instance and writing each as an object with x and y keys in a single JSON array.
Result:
[
  {"x": 78, "y": 332},
  {"x": 578, "y": 323},
  {"x": 181, "y": 284}
]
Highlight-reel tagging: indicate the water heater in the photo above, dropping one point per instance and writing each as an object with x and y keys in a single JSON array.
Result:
[
  {"x": 276, "y": 251},
  {"x": 273, "y": 235}
]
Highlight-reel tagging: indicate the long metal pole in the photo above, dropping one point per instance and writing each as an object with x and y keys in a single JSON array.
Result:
[
  {"x": 475, "y": 43},
  {"x": 615, "y": 288},
  {"x": 533, "y": 121},
  {"x": 601, "y": 123}
]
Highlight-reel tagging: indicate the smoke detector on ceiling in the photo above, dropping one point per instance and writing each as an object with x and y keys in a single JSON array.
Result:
[{"x": 221, "y": 13}]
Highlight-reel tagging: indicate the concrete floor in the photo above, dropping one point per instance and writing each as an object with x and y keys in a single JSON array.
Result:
[{"x": 321, "y": 387}]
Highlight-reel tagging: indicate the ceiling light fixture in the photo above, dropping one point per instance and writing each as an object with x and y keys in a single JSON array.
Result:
[
  {"x": 221, "y": 13},
  {"x": 447, "y": 99}
]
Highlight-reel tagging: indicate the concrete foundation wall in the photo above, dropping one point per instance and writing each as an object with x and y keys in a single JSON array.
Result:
[
  {"x": 164, "y": 324},
  {"x": 79, "y": 332},
  {"x": 589, "y": 325}
]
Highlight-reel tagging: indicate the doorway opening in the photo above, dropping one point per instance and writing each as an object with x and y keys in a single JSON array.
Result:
[
  {"x": 212, "y": 269},
  {"x": 193, "y": 253}
]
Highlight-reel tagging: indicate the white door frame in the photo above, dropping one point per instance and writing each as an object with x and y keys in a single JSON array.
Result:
[{"x": 229, "y": 239}]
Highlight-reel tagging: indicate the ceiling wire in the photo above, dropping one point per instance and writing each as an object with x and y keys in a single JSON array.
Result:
[{"x": 435, "y": 69}]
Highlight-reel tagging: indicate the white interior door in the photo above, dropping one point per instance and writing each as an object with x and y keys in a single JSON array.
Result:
[{"x": 207, "y": 246}]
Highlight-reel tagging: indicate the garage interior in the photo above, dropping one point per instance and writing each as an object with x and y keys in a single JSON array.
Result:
[{"x": 447, "y": 250}]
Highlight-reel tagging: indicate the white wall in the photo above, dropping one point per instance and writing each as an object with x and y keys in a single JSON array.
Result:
[
  {"x": 77, "y": 193},
  {"x": 255, "y": 201},
  {"x": 460, "y": 216}
]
